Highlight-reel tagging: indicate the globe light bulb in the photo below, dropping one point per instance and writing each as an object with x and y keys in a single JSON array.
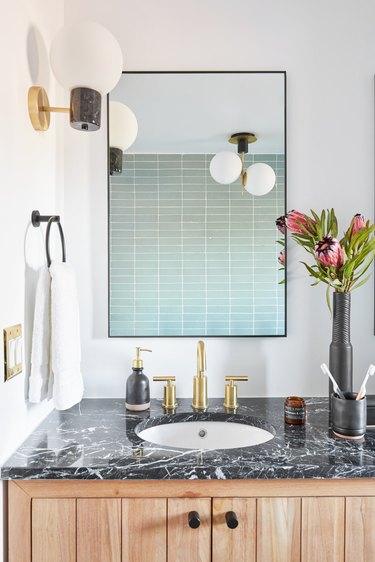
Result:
[
  {"x": 123, "y": 126},
  {"x": 261, "y": 179},
  {"x": 225, "y": 167},
  {"x": 86, "y": 54}
]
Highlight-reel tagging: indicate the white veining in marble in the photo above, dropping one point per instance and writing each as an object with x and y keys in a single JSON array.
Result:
[{"x": 97, "y": 440}]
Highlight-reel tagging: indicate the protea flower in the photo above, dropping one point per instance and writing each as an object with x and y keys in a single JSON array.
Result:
[
  {"x": 329, "y": 252},
  {"x": 280, "y": 223},
  {"x": 294, "y": 220},
  {"x": 281, "y": 258},
  {"x": 359, "y": 222}
]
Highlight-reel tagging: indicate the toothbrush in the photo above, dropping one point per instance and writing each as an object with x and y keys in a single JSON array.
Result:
[
  {"x": 362, "y": 390},
  {"x": 336, "y": 388}
]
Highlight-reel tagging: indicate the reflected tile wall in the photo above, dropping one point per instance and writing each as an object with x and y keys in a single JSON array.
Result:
[{"x": 189, "y": 256}]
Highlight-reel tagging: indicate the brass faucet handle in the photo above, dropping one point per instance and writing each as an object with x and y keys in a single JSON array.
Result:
[
  {"x": 231, "y": 395},
  {"x": 169, "y": 401}
]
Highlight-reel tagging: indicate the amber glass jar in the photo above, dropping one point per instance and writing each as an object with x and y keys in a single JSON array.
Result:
[{"x": 295, "y": 410}]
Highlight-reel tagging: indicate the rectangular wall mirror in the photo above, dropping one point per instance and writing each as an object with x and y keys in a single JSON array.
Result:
[{"x": 189, "y": 256}]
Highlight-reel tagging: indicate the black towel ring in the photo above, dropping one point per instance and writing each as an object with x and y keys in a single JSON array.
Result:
[
  {"x": 36, "y": 219},
  {"x": 51, "y": 220}
]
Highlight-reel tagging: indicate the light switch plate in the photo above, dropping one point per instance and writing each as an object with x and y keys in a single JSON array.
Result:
[{"x": 12, "y": 356}]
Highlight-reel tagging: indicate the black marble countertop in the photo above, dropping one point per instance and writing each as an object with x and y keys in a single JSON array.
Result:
[{"x": 97, "y": 440}]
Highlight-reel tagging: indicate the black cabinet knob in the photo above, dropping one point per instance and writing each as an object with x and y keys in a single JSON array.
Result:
[
  {"x": 231, "y": 519},
  {"x": 194, "y": 519}
]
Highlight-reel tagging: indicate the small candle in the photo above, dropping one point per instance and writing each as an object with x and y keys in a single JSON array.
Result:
[{"x": 295, "y": 410}]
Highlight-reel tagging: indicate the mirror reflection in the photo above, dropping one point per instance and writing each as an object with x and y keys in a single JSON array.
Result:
[{"x": 196, "y": 184}]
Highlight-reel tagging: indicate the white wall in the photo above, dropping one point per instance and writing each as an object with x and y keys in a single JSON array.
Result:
[
  {"x": 31, "y": 177},
  {"x": 328, "y": 51}
]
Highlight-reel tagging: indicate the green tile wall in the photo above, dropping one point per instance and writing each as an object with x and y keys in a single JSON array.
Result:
[{"x": 189, "y": 256}]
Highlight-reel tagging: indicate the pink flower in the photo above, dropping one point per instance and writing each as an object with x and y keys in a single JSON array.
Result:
[
  {"x": 294, "y": 220},
  {"x": 280, "y": 223},
  {"x": 329, "y": 252},
  {"x": 281, "y": 258},
  {"x": 359, "y": 222}
]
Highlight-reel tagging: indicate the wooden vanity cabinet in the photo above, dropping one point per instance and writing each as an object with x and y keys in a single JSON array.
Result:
[{"x": 147, "y": 521}]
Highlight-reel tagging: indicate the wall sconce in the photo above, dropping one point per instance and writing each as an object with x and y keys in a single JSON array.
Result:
[
  {"x": 123, "y": 130},
  {"x": 87, "y": 60},
  {"x": 226, "y": 167}
]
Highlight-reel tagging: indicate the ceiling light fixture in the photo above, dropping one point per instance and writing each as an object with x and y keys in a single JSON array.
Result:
[
  {"x": 87, "y": 60},
  {"x": 226, "y": 167},
  {"x": 123, "y": 130}
]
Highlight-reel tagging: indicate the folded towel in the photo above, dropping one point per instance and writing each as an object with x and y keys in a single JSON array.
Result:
[
  {"x": 65, "y": 337},
  {"x": 40, "y": 380}
]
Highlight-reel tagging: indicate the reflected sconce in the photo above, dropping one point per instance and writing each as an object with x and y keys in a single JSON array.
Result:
[
  {"x": 123, "y": 130},
  {"x": 87, "y": 60},
  {"x": 226, "y": 167}
]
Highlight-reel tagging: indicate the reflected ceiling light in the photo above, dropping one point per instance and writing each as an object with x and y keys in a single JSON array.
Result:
[
  {"x": 87, "y": 60},
  {"x": 261, "y": 179},
  {"x": 123, "y": 130},
  {"x": 226, "y": 167}
]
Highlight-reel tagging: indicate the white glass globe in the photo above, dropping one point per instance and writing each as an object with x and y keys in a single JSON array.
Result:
[
  {"x": 87, "y": 55},
  {"x": 123, "y": 126},
  {"x": 225, "y": 167},
  {"x": 260, "y": 179}
]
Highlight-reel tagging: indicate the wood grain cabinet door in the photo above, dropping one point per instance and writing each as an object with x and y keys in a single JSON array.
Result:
[
  {"x": 323, "y": 528},
  {"x": 234, "y": 544},
  {"x": 279, "y": 529},
  {"x": 53, "y": 530},
  {"x": 98, "y": 530},
  {"x": 359, "y": 530},
  {"x": 144, "y": 530},
  {"x": 186, "y": 544}
]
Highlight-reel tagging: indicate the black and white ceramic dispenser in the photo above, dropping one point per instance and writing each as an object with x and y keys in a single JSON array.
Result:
[{"x": 138, "y": 386}]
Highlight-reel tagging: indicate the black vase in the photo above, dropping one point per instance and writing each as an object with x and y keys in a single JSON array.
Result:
[{"x": 341, "y": 350}]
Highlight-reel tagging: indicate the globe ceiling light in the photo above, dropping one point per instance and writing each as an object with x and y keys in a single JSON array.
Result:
[
  {"x": 261, "y": 179},
  {"x": 87, "y": 60},
  {"x": 258, "y": 179},
  {"x": 225, "y": 167},
  {"x": 123, "y": 130}
]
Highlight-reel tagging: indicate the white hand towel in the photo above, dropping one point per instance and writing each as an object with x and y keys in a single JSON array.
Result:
[
  {"x": 39, "y": 381},
  {"x": 65, "y": 337}
]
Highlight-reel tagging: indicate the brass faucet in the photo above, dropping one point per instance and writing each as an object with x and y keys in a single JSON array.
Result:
[{"x": 200, "y": 400}]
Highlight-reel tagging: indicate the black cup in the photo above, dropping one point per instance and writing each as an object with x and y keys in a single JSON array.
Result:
[{"x": 349, "y": 417}]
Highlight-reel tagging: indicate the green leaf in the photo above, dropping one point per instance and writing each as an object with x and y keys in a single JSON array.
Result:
[
  {"x": 334, "y": 228},
  {"x": 328, "y": 299},
  {"x": 361, "y": 282},
  {"x": 323, "y": 221},
  {"x": 312, "y": 226},
  {"x": 368, "y": 251},
  {"x": 361, "y": 236},
  {"x": 305, "y": 230},
  {"x": 317, "y": 219},
  {"x": 329, "y": 221},
  {"x": 369, "y": 263},
  {"x": 348, "y": 269}
]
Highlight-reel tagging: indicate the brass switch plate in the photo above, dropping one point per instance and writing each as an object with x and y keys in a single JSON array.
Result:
[{"x": 13, "y": 346}]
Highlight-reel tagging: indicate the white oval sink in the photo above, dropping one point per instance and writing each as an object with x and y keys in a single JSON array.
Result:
[{"x": 205, "y": 435}]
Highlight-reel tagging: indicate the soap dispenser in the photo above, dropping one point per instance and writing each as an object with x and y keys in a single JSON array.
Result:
[{"x": 137, "y": 386}]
